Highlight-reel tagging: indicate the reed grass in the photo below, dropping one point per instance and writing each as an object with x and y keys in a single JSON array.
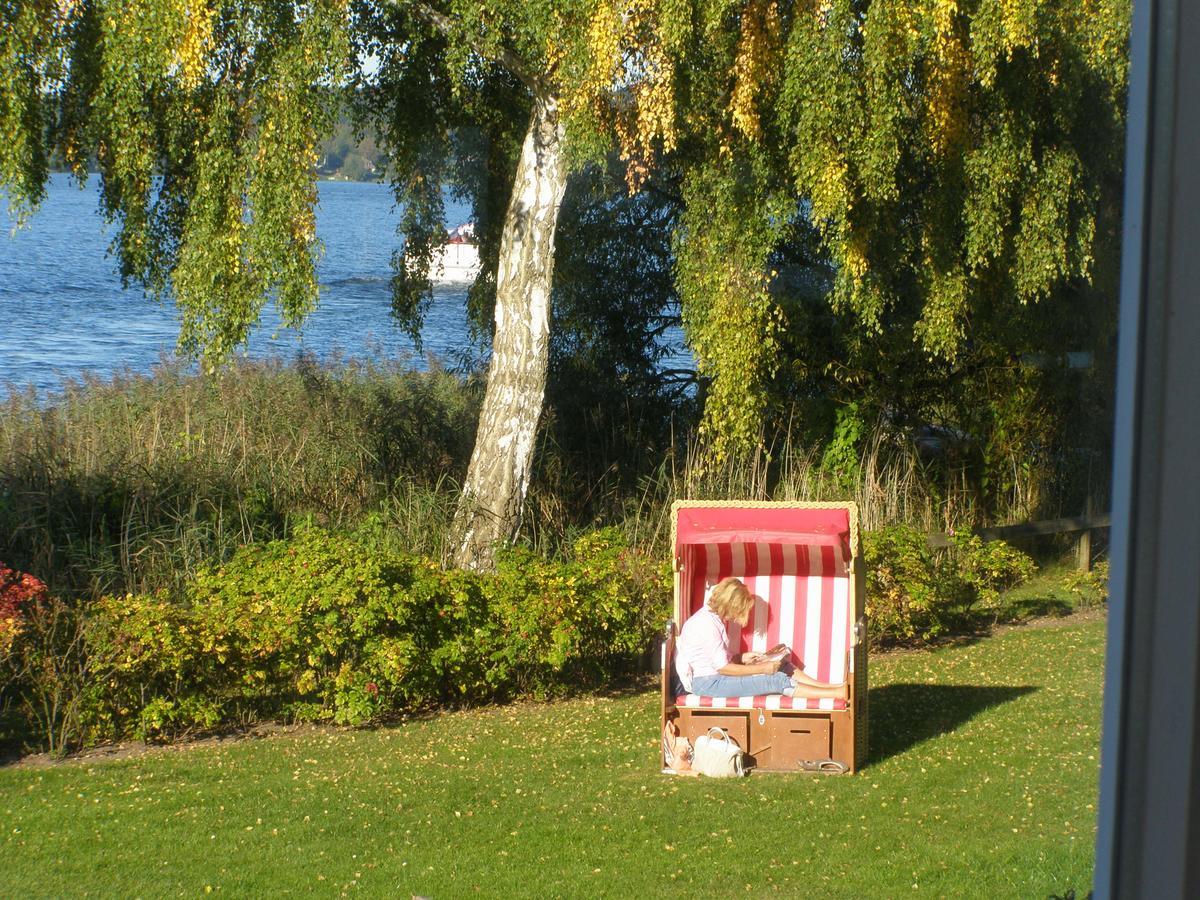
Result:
[
  {"x": 132, "y": 484},
  {"x": 892, "y": 484}
]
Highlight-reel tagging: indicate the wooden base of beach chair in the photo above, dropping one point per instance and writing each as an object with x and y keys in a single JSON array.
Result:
[{"x": 778, "y": 740}]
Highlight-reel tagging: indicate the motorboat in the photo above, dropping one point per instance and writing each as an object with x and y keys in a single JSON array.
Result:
[{"x": 458, "y": 261}]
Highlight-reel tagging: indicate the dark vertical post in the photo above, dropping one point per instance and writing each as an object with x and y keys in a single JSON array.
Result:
[
  {"x": 1084, "y": 549},
  {"x": 1148, "y": 844}
]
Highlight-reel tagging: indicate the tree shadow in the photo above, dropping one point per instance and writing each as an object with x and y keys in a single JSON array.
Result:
[
  {"x": 1031, "y": 607},
  {"x": 13, "y": 739},
  {"x": 903, "y": 715}
]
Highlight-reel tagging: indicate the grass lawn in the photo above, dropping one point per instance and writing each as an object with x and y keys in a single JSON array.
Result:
[
  {"x": 982, "y": 783},
  {"x": 1049, "y": 592}
]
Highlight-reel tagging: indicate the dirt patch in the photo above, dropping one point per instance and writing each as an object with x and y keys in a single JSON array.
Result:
[{"x": 137, "y": 749}]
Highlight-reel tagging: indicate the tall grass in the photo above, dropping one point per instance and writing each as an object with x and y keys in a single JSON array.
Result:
[
  {"x": 892, "y": 483},
  {"x": 131, "y": 484}
]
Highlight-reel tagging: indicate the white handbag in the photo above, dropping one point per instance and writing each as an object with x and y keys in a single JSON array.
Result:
[{"x": 717, "y": 756}]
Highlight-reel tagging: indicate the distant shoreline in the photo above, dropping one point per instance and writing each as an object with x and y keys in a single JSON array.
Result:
[{"x": 345, "y": 179}]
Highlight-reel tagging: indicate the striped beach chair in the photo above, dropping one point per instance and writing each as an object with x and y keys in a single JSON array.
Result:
[{"x": 803, "y": 563}]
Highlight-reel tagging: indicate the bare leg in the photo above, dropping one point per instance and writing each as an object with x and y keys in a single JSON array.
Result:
[{"x": 807, "y": 686}]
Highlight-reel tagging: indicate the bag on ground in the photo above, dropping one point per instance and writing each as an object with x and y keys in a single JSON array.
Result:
[
  {"x": 677, "y": 750},
  {"x": 718, "y": 755}
]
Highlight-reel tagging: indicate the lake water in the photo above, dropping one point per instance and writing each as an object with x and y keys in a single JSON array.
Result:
[{"x": 63, "y": 313}]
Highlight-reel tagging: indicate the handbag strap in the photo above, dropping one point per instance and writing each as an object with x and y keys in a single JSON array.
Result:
[{"x": 724, "y": 735}]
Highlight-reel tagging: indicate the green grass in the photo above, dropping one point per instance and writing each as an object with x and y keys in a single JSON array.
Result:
[{"x": 982, "y": 783}]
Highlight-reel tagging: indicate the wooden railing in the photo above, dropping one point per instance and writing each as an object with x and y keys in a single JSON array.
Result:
[{"x": 1085, "y": 525}]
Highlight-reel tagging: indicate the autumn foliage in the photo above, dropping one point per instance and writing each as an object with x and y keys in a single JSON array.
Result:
[{"x": 18, "y": 591}]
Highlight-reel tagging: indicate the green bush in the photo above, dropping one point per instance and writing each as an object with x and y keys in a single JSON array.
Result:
[
  {"x": 903, "y": 595},
  {"x": 558, "y": 624},
  {"x": 297, "y": 623},
  {"x": 47, "y": 674},
  {"x": 1090, "y": 589},
  {"x": 916, "y": 593},
  {"x": 335, "y": 625},
  {"x": 338, "y": 627},
  {"x": 157, "y": 675},
  {"x": 977, "y": 571}
]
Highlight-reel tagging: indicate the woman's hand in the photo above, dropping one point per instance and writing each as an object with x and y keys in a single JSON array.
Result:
[
  {"x": 766, "y": 667},
  {"x": 761, "y": 664}
]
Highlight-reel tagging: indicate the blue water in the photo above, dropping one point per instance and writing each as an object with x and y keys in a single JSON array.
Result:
[{"x": 64, "y": 315}]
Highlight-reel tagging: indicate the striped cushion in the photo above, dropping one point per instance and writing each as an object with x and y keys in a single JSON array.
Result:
[
  {"x": 803, "y": 601},
  {"x": 763, "y": 701}
]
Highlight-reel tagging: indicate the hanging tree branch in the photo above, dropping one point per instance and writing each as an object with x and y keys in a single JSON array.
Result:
[{"x": 500, "y": 55}]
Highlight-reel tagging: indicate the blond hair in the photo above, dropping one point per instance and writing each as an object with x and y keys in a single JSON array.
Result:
[{"x": 731, "y": 600}]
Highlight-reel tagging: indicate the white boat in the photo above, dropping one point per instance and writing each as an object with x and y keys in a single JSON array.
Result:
[{"x": 458, "y": 261}]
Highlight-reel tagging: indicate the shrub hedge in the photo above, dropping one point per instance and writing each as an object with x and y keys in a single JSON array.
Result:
[
  {"x": 340, "y": 626},
  {"x": 334, "y": 627},
  {"x": 915, "y": 593}
]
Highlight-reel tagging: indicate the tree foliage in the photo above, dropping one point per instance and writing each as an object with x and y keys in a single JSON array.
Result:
[
  {"x": 947, "y": 169},
  {"x": 203, "y": 119},
  {"x": 615, "y": 395},
  {"x": 959, "y": 160}
]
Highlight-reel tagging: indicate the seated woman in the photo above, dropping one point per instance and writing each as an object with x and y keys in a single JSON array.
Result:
[{"x": 705, "y": 667}]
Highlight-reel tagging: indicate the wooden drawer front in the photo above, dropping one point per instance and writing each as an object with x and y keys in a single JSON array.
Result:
[
  {"x": 736, "y": 723},
  {"x": 794, "y": 738}
]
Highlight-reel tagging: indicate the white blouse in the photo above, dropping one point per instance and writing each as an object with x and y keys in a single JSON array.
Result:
[{"x": 702, "y": 648}]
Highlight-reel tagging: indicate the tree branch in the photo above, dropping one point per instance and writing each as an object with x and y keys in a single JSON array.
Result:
[{"x": 500, "y": 55}]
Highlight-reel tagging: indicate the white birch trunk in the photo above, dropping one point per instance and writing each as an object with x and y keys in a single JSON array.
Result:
[{"x": 489, "y": 509}]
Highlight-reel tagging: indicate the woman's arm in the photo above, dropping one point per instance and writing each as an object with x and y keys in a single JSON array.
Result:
[{"x": 763, "y": 668}]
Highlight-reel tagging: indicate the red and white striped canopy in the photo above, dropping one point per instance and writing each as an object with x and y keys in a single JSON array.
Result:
[
  {"x": 804, "y": 526},
  {"x": 795, "y": 562}
]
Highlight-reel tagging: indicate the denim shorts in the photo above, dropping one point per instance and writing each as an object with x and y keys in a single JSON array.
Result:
[{"x": 741, "y": 685}]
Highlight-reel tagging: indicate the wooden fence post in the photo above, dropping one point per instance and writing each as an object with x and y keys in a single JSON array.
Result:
[{"x": 1084, "y": 549}]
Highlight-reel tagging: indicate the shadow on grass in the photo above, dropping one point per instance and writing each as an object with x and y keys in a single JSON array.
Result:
[
  {"x": 1032, "y": 607},
  {"x": 14, "y": 737},
  {"x": 903, "y": 715}
]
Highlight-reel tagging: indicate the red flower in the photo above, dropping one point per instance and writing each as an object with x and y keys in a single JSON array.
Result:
[
  {"x": 372, "y": 689},
  {"x": 16, "y": 590}
]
